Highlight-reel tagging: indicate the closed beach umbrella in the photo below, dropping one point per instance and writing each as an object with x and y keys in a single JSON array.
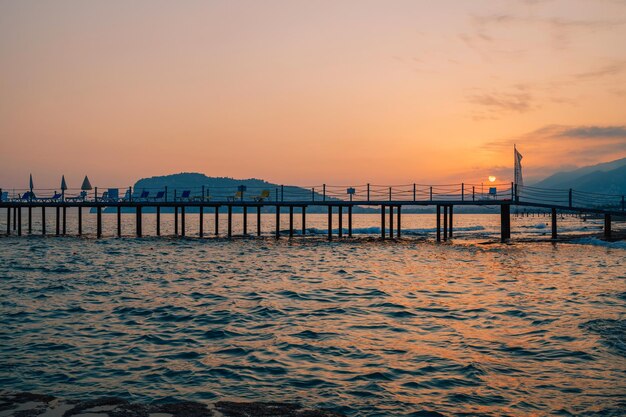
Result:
[
  {"x": 86, "y": 184},
  {"x": 31, "y": 183},
  {"x": 63, "y": 187}
]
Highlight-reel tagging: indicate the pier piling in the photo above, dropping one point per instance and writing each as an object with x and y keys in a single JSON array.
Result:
[
  {"x": 43, "y": 220},
  {"x": 290, "y": 222},
  {"x": 139, "y": 221},
  {"x": 607, "y": 226},
  {"x": 382, "y": 222},
  {"x": 230, "y": 222},
  {"x": 158, "y": 221},
  {"x": 8, "y": 221},
  {"x": 245, "y": 220},
  {"x": 445, "y": 223},
  {"x": 330, "y": 223},
  {"x": 30, "y": 220},
  {"x": 58, "y": 220},
  {"x": 399, "y": 225},
  {"x": 277, "y": 222},
  {"x": 217, "y": 220},
  {"x": 505, "y": 222},
  {"x": 64, "y": 220},
  {"x": 438, "y": 223},
  {"x": 175, "y": 217},
  {"x": 303, "y": 220},
  {"x": 349, "y": 221},
  {"x": 450, "y": 223},
  {"x": 340, "y": 221},
  {"x": 258, "y": 220},
  {"x": 201, "y": 220},
  {"x": 182, "y": 221},
  {"x": 554, "y": 226},
  {"x": 119, "y": 221},
  {"x": 390, "y": 222},
  {"x": 19, "y": 221},
  {"x": 99, "y": 222}
]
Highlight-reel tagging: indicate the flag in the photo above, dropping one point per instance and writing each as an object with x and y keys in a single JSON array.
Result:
[{"x": 518, "y": 167}]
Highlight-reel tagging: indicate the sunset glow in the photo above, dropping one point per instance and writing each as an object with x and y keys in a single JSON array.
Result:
[{"x": 344, "y": 92}]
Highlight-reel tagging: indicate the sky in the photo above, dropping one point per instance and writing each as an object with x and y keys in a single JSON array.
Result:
[{"x": 308, "y": 92}]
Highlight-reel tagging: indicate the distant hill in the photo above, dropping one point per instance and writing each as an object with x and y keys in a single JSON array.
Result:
[
  {"x": 606, "y": 178},
  {"x": 219, "y": 188}
]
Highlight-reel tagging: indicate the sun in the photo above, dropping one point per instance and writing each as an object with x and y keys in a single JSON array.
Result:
[{"x": 492, "y": 178}]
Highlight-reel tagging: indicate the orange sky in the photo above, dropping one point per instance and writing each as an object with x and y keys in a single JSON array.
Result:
[{"x": 308, "y": 92}]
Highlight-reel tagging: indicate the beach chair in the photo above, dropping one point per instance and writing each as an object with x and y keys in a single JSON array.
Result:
[
  {"x": 127, "y": 196},
  {"x": 80, "y": 197},
  {"x": 56, "y": 196},
  {"x": 265, "y": 194},
  {"x": 104, "y": 196},
  {"x": 27, "y": 196},
  {"x": 144, "y": 195},
  {"x": 186, "y": 195},
  {"x": 159, "y": 196},
  {"x": 238, "y": 196}
]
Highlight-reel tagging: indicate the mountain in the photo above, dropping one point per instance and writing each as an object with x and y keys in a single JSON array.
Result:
[{"x": 606, "y": 178}]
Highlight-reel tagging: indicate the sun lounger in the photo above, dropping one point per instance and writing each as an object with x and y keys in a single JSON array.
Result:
[
  {"x": 144, "y": 195},
  {"x": 80, "y": 197},
  {"x": 185, "y": 195},
  {"x": 265, "y": 194},
  {"x": 159, "y": 196}
]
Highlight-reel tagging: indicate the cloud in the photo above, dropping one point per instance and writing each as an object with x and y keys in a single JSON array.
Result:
[
  {"x": 590, "y": 132},
  {"x": 553, "y": 146}
]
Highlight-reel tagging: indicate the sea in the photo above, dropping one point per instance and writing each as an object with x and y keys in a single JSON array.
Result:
[{"x": 365, "y": 327}]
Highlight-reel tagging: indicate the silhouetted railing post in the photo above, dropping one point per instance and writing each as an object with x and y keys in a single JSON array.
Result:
[
  {"x": 462, "y": 191},
  {"x": 313, "y": 194},
  {"x": 473, "y": 193},
  {"x": 389, "y": 193},
  {"x": 570, "y": 197},
  {"x": 282, "y": 193},
  {"x": 414, "y": 192},
  {"x": 431, "y": 193},
  {"x": 324, "y": 192},
  {"x": 130, "y": 193},
  {"x": 95, "y": 196},
  {"x": 368, "y": 192}
]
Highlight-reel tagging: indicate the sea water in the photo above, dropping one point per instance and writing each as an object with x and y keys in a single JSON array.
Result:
[{"x": 364, "y": 327}]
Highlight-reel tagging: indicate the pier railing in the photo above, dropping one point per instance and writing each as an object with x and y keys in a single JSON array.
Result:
[{"x": 362, "y": 194}]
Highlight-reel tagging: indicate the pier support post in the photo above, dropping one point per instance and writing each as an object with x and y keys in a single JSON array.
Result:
[
  {"x": 554, "y": 229},
  {"x": 80, "y": 221},
  {"x": 9, "y": 221},
  {"x": 98, "y": 222},
  {"x": 158, "y": 221},
  {"x": 330, "y": 223},
  {"x": 230, "y": 221},
  {"x": 450, "y": 222},
  {"x": 30, "y": 220},
  {"x": 182, "y": 221},
  {"x": 245, "y": 220},
  {"x": 445, "y": 223},
  {"x": 14, "y": 218},
  {"x": 505, "y": 222},
  {"x": 175, "y": 219},
  {"x": 139, "y": 219},
  {"x": 201, "y": 220},
  {"x": 43, "y": 220},
  {"x": 19, "y": 221},
  {"x": 390, "y": 222},
  {"x": 382, "y": 222},
  {"x": 290, "y": 222},
  {"x": 277, "y": 222},
  {"x": 340, "y": 230},
  {"x": 438, "y": 223},
  {"x": 349, "y": 221},
  {"x": 258, "y": 220},
  {"x": 399, "y": 225},
  {"x": 217, "y": 220},
  {"x": 303, "y": 220},
  {"x": 607, "y": 226},
  {"x": 64, "y": 220},
  {"x": 119, "y": 221},
  {"x": 58, "y": 220}
]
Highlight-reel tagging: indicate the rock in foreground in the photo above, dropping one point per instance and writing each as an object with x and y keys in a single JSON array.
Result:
[{"x": 23, "y": 404}]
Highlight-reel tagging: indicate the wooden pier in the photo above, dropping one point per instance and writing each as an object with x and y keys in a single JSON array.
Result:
[{"x": 336, "y": 206}]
